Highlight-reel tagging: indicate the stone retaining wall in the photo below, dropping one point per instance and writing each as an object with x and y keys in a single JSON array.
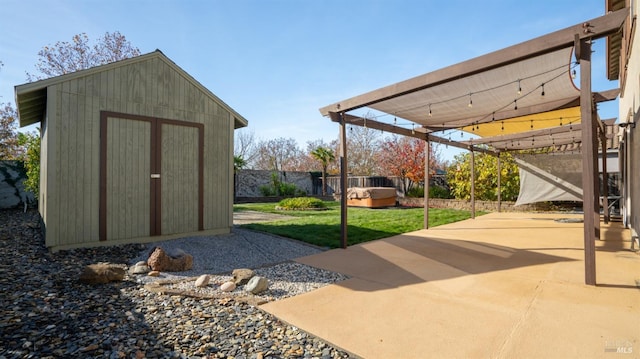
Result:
[
  {"x": 248, "y": 182},
  {"x": 12, "y": 192}
]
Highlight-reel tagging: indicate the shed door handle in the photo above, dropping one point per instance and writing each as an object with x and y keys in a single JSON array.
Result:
[{"x": 155, "y": 175}]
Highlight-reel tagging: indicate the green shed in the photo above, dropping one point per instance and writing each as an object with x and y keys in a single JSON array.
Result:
[{"x": 133, "y": 151}]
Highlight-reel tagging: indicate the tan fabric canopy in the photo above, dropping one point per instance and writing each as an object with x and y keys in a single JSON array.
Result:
[
  {"x": 477, "y": 98},
  {"x": 523, "y": 87}
]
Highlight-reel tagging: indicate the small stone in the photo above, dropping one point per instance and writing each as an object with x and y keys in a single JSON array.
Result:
[
  {"x": 242, "y": 275},
  {"x": 228, "y": 286},
  {"x": 153, "y": 273},
  {"x": 202, "y": 281},
  {"x": 257, "y": 285},
  {"x": 139, "y": 268},
  {"x": 89, "y": 348}
]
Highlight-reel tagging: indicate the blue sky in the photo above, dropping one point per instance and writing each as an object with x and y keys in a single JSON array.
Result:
[{"x": 277, "y": 62}]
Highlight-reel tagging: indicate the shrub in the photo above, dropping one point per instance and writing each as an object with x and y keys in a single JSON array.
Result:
[
  {"x": 434, "y": 192},
  {"x": 439, "y": 192},
  {"x": 301, "y": 203},
  {"x": 279, "y": 188},
  {"x": 267, "y": 191},
  {"x": 415, "y": 192}
]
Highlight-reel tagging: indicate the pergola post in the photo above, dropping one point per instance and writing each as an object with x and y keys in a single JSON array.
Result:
[
  {"x": 499, "y": 188},
  {"x": 589, "y": 159},
  {"x": 343, "y": 180},
  {"x": 473, "y": 184},
  {"x": 605, "y": 174},
  {"x": 427, "y": 153}
]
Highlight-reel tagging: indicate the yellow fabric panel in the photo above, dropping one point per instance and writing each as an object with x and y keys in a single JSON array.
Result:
[{"x": 525, "y": 123}]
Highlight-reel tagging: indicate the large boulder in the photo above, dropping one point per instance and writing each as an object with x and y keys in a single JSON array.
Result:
[
  {"x": 160, "y": 260},
  {"x": 101, "y": 273}
]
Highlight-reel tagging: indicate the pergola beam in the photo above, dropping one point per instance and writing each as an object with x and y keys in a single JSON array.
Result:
[
  {"x": 595, "y": 28},
  {"x": 418, "y": 132}
]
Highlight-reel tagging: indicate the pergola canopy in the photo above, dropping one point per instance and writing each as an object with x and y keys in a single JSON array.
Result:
[{"x": 520, "y": 88}]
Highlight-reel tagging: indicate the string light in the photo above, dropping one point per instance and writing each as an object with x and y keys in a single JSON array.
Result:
[
  {"x": 470, "y": 94},
  {"x": 532, "y": 124},
  {"x": 413, "y": 132},
  {"x": 573, "y": 74},
  {"x": 395, "y": 121},
  {"x": 502, "y": 127},
  {"x": 516, "y": 104},
  {"x": 560, "y": 121}
]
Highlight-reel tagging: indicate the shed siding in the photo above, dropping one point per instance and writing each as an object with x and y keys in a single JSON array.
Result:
[
  {"x": 180, "y": 182},
  {"x": 128, "y": 177},
  {"x": 71, "y": 141}
]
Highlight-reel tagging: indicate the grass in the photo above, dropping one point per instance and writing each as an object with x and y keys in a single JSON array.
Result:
[{"x": 322, "y": 228}]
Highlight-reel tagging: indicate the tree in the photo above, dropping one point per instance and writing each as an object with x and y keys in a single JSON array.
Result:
[
  {"x": 363, "y": 144},
  {"x": 10, "y": 148},
  {"x": 279, "y": 154},
  {"x": 486, "y": 183},
  {"x": 59, "y": 59},
  {"x": 66, "y": 57},
  {"x": 245, "y": 146},
  {"x": 31, "y": 141},
  {"x": 324, "y": 155},
  {"x": 404, "y": 157}
]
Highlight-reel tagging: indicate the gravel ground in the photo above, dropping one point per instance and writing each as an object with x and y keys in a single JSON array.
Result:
[{"x": 46, "y": 313}]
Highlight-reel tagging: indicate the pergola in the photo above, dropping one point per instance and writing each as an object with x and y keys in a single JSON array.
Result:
[{"x": 518, "y": 98}]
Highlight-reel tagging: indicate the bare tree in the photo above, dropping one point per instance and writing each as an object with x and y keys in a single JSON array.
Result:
[
  {"x": 363, "y": 144},
  {"x": 245, "y": 146},
  {"x": 279, "y": 154},
  {"x": 64, "y": 57}
]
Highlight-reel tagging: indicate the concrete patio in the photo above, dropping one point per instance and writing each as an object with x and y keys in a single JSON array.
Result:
[{"x": 504, "y": 285}]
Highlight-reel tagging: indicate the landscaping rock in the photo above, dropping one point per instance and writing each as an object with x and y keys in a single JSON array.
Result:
[
  {"x": 140, "y": 268},
  {"x": 257, "y": 285},
  {"x": 159, "y": 260},
  {"x": 202, "y": 281},
  {"x": 228, "y": 286},
  {"x": 101, "y": 273},
  {"x": 242, "y": 275}
]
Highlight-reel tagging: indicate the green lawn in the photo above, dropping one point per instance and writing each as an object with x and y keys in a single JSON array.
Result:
[{"x": 322, "y": 228}]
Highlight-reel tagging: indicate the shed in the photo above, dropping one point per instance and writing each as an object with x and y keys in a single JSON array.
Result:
[{"x": 132, "y": 151}]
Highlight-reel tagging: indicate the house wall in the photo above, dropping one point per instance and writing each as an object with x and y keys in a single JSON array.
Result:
[
  {"x": 629, "y": 105},
  {"x": 71, "y": 143}
]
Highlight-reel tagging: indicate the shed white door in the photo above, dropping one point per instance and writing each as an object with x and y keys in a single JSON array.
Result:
[{"x": 151, "y": 177}]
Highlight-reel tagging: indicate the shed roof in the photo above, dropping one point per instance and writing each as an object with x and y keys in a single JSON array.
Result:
[{"x": 31, "y": 98}]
